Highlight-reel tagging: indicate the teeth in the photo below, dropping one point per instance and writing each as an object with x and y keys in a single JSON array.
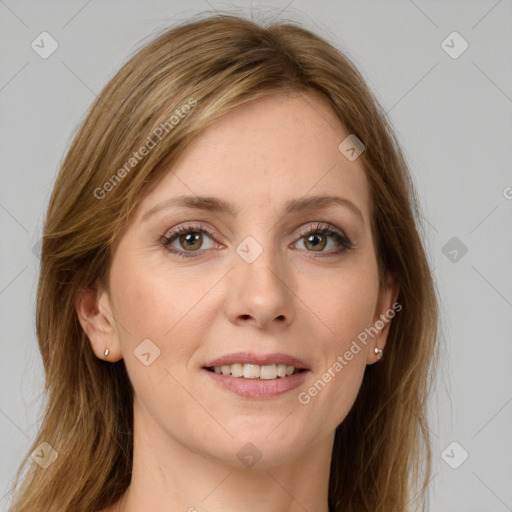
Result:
[
  {"x": 281, "y": 370},
  {"x": 252, "y": 371},
  {"x": 255, "y": 371},
  {"x": 237, "y": 370},
  {"x": 268, "y": 372}
]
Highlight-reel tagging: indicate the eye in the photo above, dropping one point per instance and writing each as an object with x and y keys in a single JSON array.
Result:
[
  {"x": 186, "y": 240},
  {"x": 316, "y": 239}
]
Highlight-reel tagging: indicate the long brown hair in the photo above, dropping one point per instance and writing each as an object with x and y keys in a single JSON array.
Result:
[{"x": 382, "y": 452}]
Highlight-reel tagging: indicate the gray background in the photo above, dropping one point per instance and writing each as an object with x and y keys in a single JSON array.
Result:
[{"x": 453, "y": 118}]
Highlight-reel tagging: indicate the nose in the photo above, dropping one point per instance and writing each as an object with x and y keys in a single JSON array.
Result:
[{"x": 261, "y": 291}]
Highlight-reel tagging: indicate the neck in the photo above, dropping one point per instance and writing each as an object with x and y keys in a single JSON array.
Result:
[{"x": 167, "y": 475}]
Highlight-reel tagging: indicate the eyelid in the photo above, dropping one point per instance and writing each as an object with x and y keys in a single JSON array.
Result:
[
  {"x": 331, "y": 230},
  {"x": 192, "y": 226},
  {"x": 319, "y": 226},
  {"x": 316, "y": 227}
]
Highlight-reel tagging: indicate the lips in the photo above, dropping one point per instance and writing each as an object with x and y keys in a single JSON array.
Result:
[
  {"x": 257, "y": 376},
  {"x": 255, "y": 371},
  {"x": 257, "y": 359},
  {"x": 257, "y": 388}
]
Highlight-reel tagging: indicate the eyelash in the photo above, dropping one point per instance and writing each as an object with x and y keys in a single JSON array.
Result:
[{"x": 319, "y": 228}]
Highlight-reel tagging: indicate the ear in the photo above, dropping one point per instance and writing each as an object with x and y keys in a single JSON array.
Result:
[
  {"x": 93, "y": 307},
  {"x": 387, "y": 307}
]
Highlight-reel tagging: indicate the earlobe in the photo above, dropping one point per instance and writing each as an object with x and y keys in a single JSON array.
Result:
[
  {"x": 385, "y": 312},
  {"x": 94, "y": 314}
]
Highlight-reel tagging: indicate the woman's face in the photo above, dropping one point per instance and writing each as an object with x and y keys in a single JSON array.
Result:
[{"x": 252, "y": 279}]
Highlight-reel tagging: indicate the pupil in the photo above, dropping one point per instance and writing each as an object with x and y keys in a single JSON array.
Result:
[
  {"x": 191, "y": 239},
  {"x": 319, "y": 242}
]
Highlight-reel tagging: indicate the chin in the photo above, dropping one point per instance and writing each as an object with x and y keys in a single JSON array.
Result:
[
  {"x": 264, "y": 445},
  {"x": 256, "y": 455}
]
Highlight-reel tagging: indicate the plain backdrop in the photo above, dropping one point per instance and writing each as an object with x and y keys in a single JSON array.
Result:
[{"x": 451, "y": 106}]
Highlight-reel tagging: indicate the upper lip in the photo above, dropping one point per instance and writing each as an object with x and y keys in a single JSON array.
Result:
[{"x": 260, "y": 359}]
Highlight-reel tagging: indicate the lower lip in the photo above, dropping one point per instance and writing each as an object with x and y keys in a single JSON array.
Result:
[{"x": 258, "y": 388}]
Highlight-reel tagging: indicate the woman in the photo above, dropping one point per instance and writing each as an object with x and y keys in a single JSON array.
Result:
[{"x": 235, "y": 309}]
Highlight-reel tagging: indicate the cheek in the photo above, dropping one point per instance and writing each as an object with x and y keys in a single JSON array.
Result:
[
  {"x": 331, "y": 394},
  {"x": 162, "y": 306},
  {"x": 144, "y": 303},
  {"x": 347, "y": 306},
  {"x": 150, "y": 299},
  {"x": 349, "y": 309}
]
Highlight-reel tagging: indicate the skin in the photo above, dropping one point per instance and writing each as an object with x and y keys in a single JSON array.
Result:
[{"x": 188, "y": 430}]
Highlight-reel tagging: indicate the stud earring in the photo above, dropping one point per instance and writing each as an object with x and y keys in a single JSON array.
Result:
[
  {"x": 378, "y": 352},
  {"x": 106, "y": 353}
]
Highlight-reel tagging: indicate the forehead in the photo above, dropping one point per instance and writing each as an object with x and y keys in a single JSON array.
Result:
[{"x": 275, "y": 148}]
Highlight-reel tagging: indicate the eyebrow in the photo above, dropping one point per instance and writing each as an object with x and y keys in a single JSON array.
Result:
[{"x": 214, "y": 204}]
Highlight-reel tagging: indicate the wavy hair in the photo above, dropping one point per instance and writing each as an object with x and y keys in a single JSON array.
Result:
[{"x": 382, "y": 451}]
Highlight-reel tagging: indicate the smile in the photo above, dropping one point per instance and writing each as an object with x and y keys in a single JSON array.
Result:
[
  {"x": 256, "y": 371},
  {"x": 256, "y": 375}
]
